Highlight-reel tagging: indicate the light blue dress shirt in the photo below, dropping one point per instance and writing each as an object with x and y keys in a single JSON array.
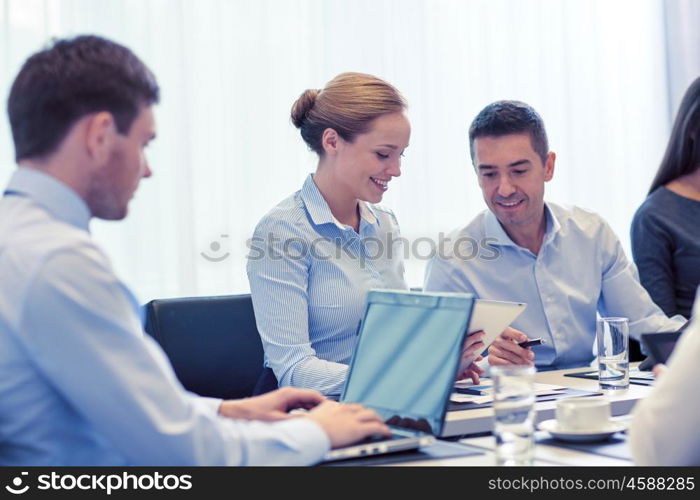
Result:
[
  {"x": 580, "y": 270},
  {"x": 80, "y": 383},
  {"x": 309, "y": 277}
]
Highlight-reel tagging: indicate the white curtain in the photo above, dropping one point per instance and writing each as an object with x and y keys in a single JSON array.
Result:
[
  {"x": 230, "y": 70},
  {"x": 682, "y": 47}
]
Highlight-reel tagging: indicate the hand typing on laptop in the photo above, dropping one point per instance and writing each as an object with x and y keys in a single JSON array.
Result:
[
  {"x": 346, "y": 424},
  {"x": 343, "y": 423},
  {"x": 506, "y": 351}
]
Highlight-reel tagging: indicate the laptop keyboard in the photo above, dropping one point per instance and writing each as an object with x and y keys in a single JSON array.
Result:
[{"x": 401, "y": 434}]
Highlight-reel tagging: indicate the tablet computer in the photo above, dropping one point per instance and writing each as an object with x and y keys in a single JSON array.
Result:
[
  {"x": 660, "y": 345},
  {"x": 492, "y": 317}
]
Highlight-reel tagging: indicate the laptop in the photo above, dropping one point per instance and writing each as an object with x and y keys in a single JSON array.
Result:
[{"x": 404, "y": 366}]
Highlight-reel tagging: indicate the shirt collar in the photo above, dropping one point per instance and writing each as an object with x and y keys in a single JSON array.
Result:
[
  {"x": 319, "y": 210},
  {"x": 367, "y": 213},
  {"x": 553, "y": 225},
  {"x": 60, "y": 200},
  {"x": 493, "y": 228}
]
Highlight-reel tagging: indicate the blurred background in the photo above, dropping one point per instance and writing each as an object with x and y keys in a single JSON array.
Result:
[{"x": 606, "y": 76}]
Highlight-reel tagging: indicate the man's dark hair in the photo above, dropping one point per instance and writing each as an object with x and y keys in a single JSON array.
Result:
[
  {"x": 510, "y": 117},
  {"x": 70, "y": 79}
]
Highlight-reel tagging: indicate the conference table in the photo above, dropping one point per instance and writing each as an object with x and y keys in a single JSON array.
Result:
[
  {"x": 474, "y": 421},
  {"x": 473, "y": 427}
]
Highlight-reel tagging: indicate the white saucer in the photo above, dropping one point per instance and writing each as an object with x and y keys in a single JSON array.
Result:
[{"x": 584, "y": 436}]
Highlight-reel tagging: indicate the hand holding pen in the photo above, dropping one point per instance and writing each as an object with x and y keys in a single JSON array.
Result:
[
  {"x": 512, "y": 347},
  {"x": 531, "y": 343}
]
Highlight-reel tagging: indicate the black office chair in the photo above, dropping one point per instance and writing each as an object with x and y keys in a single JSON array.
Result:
[{"x": 212, "y": 342}]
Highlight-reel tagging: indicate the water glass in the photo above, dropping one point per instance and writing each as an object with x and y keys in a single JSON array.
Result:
[
  {"x": 612, "y": 335},
  {"x": 514, "y": 414}
]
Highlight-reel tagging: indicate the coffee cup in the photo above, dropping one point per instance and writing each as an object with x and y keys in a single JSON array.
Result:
[{"x": 582, "y": 414}]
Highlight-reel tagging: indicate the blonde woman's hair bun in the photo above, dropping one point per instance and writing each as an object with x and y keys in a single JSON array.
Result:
[{"x": 303, "y": 105}]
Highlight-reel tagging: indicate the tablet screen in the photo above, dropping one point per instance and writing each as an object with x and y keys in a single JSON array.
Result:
[{"x": 660, "y": 345}]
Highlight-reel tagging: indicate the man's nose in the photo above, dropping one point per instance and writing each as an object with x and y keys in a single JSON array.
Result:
[{"x": 505, "y": 187}]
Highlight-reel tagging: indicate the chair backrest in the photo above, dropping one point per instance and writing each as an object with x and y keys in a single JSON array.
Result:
[{"x": 212, "y": 342}]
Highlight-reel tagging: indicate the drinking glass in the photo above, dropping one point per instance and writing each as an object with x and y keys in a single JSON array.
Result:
[
  {"x": 612, "y": 335},
  {"x": 514, "y": 412}
]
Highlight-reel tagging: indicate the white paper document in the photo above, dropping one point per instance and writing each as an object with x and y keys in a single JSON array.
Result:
[{"x": 483, "y": 393}]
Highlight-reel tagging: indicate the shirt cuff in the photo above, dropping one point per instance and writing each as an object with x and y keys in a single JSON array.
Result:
[
  {"x": 206, "y": 404},
  {"x": 312, "y": 441}
]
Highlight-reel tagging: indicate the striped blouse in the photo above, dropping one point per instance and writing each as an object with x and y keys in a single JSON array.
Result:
[{"x": 309, "y": 276}]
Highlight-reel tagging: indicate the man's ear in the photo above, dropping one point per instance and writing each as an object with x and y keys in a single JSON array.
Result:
[
  {"x": 100, "y": 132},
  {"x": 330, "y": 141},
  {"x": 549, "y": 166}
]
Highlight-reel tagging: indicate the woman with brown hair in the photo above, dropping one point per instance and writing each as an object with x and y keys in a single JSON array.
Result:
[
  {"x": 316, "y": 254},
  {"x": 666, "y": 227}
]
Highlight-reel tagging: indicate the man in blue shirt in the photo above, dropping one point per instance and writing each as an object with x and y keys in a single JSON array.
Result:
[
  {"x": 563, "y": 261},
  {"x": 80, "y": 383}
]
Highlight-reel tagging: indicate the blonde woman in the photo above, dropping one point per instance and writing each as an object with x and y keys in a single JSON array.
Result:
[{"x": 317, "y": 253}]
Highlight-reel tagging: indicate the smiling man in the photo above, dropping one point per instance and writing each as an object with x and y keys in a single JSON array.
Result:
[{"x": 563, "y": 261}]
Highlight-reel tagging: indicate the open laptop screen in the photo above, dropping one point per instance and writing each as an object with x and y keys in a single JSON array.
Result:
[{"x": 407, "y": 356}]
